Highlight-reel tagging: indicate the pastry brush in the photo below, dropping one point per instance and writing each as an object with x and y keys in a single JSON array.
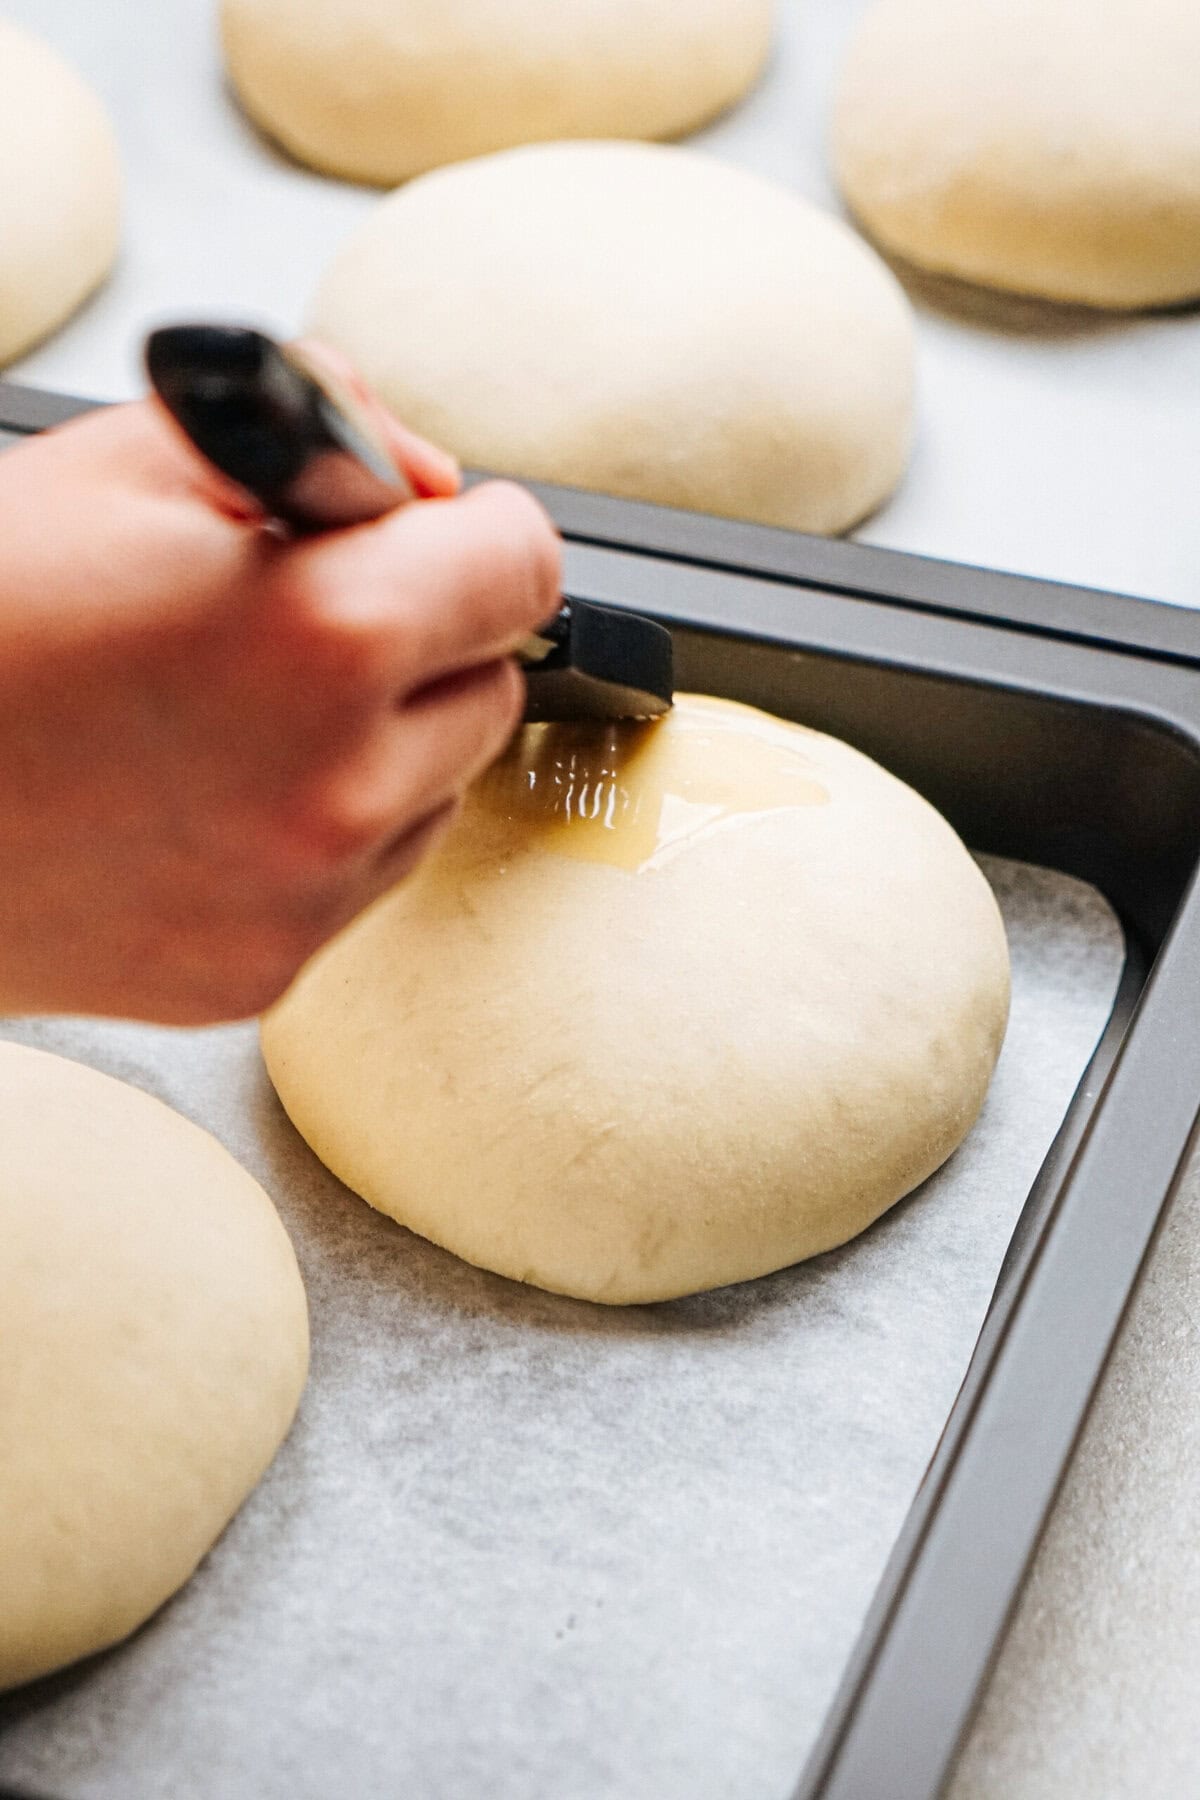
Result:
[{"x": 267, "y": 416}]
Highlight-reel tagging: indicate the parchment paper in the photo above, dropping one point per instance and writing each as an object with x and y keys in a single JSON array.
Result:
[
  {"x": 518, "y": 1546},
  {"x": 1049, "y": 440}
]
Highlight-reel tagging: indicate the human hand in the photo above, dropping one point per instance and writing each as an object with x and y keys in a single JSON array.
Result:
[{"x": 218, "y": 746}]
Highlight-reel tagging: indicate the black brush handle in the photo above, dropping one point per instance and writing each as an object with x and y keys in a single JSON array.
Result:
[
  {"x": 265, "y": 416},
  {"x": 286, "y": 430}
]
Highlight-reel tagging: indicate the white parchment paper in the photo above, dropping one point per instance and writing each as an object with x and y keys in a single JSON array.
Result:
[{"x": 519, "y": 1546}]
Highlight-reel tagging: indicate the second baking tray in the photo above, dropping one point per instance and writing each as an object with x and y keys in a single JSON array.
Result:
[{"x": 1056, "y": 727}]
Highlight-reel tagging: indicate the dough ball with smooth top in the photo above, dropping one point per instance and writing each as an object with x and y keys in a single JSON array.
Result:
[
  {"x": 672, "y": 1006},
  {"x": 379, "y": 90},
  {"x": 60, "y": 191},
  {"x": 153, "y": 1348},
  {"x": 1049, "y": 147},
  {"x": 638, "y": 320}
]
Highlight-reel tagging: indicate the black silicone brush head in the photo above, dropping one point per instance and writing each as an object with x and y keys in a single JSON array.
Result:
[{"x": 604, "y": 664}]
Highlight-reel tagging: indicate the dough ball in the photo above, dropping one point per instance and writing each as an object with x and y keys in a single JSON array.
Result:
[
  {"x": 639, "y": 320},
  {"x": 60, "y": 192},
  {"x": 378, "y": 90},
  {"x": 153, "y": 1347},
  {"x": 673, "y": 1005},
  {"x": 1050, "y": 147}
]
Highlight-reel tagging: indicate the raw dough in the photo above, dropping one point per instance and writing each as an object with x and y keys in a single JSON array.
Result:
[
  {"x": 378, "y": 90},
  {"x": 59, "y": 191},
  {"x": 639, "y": 320},
  {"x": 153, "y": 1346},
  {"x": 673, "y": 1006},
  {"x": 1051, "y": 147}
]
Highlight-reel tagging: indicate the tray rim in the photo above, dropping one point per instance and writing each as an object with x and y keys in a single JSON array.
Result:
[
  {"x": 1138, "y": 623},
  {"x": 919, "y": 1668}
]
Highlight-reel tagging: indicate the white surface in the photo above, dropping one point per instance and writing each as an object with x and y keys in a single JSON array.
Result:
[
  {"x": 1060, "y": 444},
  {"x": 1095, "y": 1695},
  {"x": 523, "y": 1548}
]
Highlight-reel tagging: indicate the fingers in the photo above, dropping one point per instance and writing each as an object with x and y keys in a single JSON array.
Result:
[
  {"x": 396, "y": 861},
  {"x": 415, "y": 763},
  {"x": 432, "y": 471},
  {"x": 489, "y": 567},
  {"x": 449, "y": 733},
  {"x": 435, "y": 588}
]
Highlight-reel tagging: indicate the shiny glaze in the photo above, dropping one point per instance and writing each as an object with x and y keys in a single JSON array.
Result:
[{"x": 635, "y": 795}]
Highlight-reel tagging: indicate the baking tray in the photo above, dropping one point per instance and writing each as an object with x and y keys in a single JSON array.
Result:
[{"x": 1054, "y": 725}]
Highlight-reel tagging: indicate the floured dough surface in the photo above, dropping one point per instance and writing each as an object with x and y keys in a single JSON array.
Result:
[
  {"x": 1051, "y": 147},
  {"x": 674, "y": 1005},
  {"x": 153, "y": 1347},
  {"x": 378, "y": 90},
  {"x": 59, "y": 191},
  {"x": 639, "y": 320}
]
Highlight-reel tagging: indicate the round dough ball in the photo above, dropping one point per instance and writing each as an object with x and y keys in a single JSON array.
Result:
[
  {"x": 638, "y": 320},
  {"x": 1050, "y": 147},
  {"x": 674, "y": 1005},
  {"x": 378, "y": 90},
  {"x": 153, "y": 1347},
  {"x": 60, "y": 192}
]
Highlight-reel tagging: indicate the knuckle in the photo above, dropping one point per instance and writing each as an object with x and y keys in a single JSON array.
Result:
[
  {"x": 316, "y": 819},
  {"x": 492, "y": 713},
  {"x": 325, "y": 827},
  {"x": 505, "y": 699}
]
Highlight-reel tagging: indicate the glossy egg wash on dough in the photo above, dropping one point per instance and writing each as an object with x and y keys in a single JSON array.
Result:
[{"x": 636, "y": 794}]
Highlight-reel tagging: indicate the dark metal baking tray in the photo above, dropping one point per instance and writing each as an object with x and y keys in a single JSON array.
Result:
[{"x": 1056, "y": 725}]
